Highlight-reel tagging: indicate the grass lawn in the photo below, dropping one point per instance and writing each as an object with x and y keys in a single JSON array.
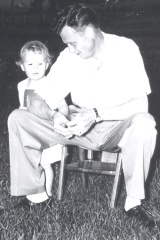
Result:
[{"x": 83, "y": 214}]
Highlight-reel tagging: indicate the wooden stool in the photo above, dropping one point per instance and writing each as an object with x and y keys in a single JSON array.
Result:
[{"x": 110, "y": 164}]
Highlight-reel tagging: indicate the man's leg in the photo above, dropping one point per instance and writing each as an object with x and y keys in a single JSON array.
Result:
[
  {"x": 136, "y": 137},
  {"x": 26, "y": 175},
  {"x": 28, "y": 136}
]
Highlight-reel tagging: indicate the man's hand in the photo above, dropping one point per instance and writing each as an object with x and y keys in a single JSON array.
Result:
[
  {"x": 81, "y": 122},
  {"x": 59, "y": 123}
]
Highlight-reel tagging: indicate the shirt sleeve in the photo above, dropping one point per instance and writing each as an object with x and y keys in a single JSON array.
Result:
[
  {"x": 138, "y": 83},
  {"x": 57, "y": 85},
  {"x": 21, "y": 89},
  {"x": 132, "y": 80}
]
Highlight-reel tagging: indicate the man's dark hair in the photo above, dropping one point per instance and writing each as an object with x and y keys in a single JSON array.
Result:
[{"x": 76, "y": 16}]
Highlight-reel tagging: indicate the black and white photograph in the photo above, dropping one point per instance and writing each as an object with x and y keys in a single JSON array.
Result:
[{"x": 79, "y": 119}]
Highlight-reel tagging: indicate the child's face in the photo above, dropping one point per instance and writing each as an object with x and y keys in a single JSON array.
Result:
[{"x": 34, "y": 65}]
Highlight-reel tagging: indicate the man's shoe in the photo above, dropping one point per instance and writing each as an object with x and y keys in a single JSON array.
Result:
[
  {"x": 24, "y": 203},
  {"x": 144, "y": 215}
]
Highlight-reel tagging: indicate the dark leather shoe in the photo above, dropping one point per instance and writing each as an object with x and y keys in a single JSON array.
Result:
[
  {"x": 144, "y": 215},
  {"x": 24, "y": 203}
]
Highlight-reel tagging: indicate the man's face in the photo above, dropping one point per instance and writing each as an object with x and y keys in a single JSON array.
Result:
[{"x": 80, "y": 43}]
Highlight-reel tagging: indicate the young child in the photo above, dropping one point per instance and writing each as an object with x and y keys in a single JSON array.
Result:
[{"x": 34, "y": 61}]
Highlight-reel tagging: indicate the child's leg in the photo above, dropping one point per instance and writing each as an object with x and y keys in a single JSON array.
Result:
[
  {"x": 49, "y": 156},
  {"x": 49, "y": 177}
]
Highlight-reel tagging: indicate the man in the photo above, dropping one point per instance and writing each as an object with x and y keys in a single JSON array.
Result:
[{"x": 108, "y": 82}]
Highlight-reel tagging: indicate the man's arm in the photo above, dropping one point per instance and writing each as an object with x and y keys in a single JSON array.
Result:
[
  {"x": 39, "y": 107},
  {"x": 84, "y": 120},
  {"x": 63, "y": 108},
  {"x": 124, "y": 110}
]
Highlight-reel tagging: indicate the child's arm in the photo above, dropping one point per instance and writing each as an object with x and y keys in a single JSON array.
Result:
[
  {"x": 22, "y": 86},
  {"x": 20, "y": 94},
  {"x": 63, "y": 108}
]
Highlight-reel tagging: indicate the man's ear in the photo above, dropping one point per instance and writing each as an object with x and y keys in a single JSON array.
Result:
[
  {"x": 89, "y": 31},
  {"x": 22, "y": 67},
  {"x": 47, "y": 65}
]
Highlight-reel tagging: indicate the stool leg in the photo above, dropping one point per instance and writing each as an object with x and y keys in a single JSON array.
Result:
[
  {"x": 84, "y": 177},
  {"x": 89, "y": 154},
  {"x": 116, "y": 181},
  {"x": 62, "y": 172}
]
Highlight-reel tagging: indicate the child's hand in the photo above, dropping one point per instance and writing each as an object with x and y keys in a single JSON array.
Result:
[{"x": 59, "y": 123}]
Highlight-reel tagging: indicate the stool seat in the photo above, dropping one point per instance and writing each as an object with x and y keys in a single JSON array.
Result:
[{"x": 110, "y": 164}]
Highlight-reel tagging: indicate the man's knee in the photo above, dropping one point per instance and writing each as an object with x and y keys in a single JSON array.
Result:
[
  {"x": 144, "y": 125},
  {"x": 16, "y": 116},
  {"x": 144, "y": 119}
]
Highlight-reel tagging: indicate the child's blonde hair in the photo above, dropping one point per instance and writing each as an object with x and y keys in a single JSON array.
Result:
[{"x": 36, "y": 47}]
